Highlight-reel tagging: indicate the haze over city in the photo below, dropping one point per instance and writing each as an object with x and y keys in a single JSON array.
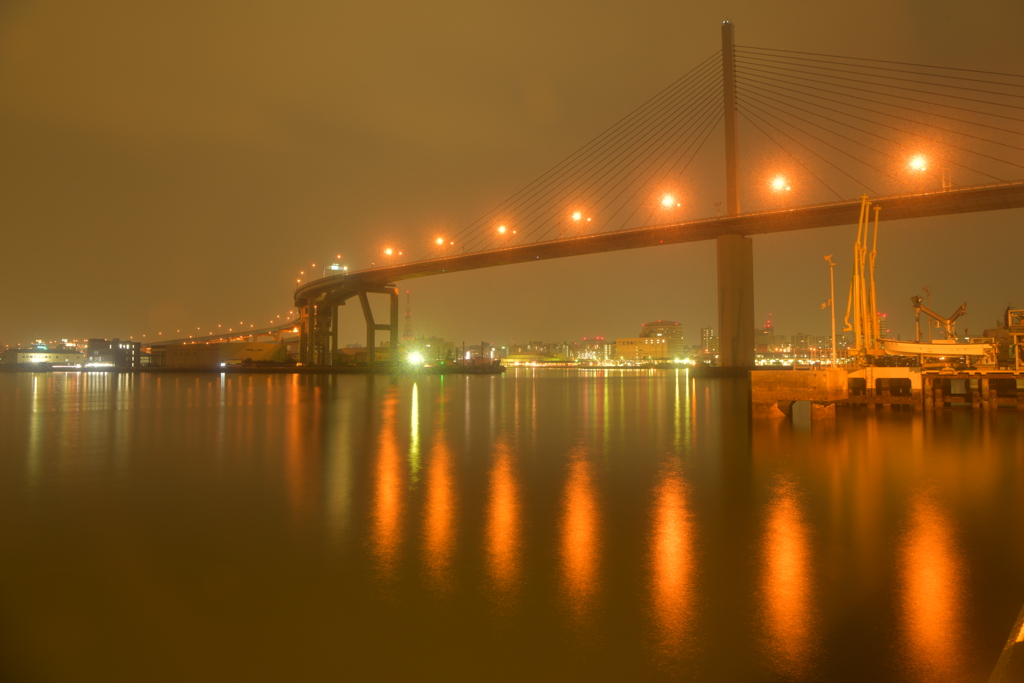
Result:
[{"x": 176, "y": 167}]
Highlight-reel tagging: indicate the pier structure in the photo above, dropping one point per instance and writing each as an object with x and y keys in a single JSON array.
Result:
[{"x": 774, "y": 392}]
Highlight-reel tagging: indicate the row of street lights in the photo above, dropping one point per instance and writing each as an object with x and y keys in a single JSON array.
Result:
[{"x": 778, "y": 184}]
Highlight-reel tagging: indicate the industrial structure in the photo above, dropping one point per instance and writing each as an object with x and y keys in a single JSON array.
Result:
[{"x": 982, "y": 373}]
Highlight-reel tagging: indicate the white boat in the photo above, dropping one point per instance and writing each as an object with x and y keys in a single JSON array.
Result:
[{"x": 938, "y": 347}]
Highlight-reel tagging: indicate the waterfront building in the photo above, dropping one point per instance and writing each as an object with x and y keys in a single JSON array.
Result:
[
  {"x": 669, "y": 330},
  {"x": 215, "y": 355},
  {"x": 103, "y": 353},
  {"x": 67, "y": 357},
  {"x": 642, "y": 348}
]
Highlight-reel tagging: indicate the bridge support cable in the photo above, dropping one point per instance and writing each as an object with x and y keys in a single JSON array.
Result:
[
  {"x": 940, "y": 100},
  {"x": 615, "y": 164},
  {"x": 619, "y": 166},
  {"x": 556, "y": 179},
  {"x": 909, "y": 124},
  {"x": 710, "y": 125},
  {"x": 790, "y": 154},
  {"x": 791, "y": 78},
  {"x": 896, "y": 146},
  {"x": 642, "y": 177},
  {"x": 767, "y": 93},
  {"x": 1010, "y": 90}
]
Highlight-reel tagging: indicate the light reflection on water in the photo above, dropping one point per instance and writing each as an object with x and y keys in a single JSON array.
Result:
[
  {"x": 580, "y": 537},
  {"x": 673, "y": 563},
  {"x": 503, "y": 526},
  {"x": 931, "y": 594},
  {"x": 388, "y": 492},
  {"x": 607, "y": 504},
  {"x": 440, "y": 509},
  {"x": 787, "y": 583}
]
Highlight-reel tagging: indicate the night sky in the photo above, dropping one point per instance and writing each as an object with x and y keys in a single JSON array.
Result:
[{"x": 175, "y": 165}]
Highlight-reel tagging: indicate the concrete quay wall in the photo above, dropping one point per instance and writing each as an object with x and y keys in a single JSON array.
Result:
[{"x": 773, "y": 392}]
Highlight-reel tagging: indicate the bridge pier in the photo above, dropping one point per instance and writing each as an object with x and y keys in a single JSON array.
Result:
[
  {"x": 304, "y": 333},
  {"x": 319, "y": 324},
  {"x": 735, "y": 301},
  {"x": 372, "y": 327}
]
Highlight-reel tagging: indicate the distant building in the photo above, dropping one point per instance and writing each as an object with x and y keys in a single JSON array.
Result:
[
  {"x": 101, "y": 353},
  {"x": 60, "y": 357},
  {"x": 642, "y": 348},
  {"x": 669, "y": 330},
  {"x": 708, "y": 342},
  {"x": 217, "y": 355},
  {"x": 595, "y": 349},
  {"x": 764, "y": 337},
  {"x": 883, "y": 326}
]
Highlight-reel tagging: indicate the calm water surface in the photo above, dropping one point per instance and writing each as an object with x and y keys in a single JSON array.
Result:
[{"x": 544, "y": 525}]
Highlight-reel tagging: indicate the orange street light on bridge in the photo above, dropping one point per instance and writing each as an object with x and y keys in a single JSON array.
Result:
[
  {"x": 780, "y": 184},
  {"x": 503, "y": 230},
  {"x": 919, "y": 163},
  {"x": 669, "y": 201}
]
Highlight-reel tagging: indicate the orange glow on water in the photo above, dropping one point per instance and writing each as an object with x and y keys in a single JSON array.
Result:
[
  {"x": 301, "y": 469},
  {"x": 931, "y": 597},
  {"x": 388, "y": 500},
  {"x": 580, "y": 540},
  {"x": 786, "y": 582},
  {"x": 439, "y": 526},
  {"x": 503, "y": 522},
  {"x": 672, "y": 562}
]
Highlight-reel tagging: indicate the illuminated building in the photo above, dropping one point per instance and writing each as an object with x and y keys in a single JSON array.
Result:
[
  {"x": 595, "y": 349},
  {"x": 671, "y": 331},
  {"x": 101, "y": 353},
  {"x": 642, "y": 348},
  {"x": 764, "y": 338},
  {"x": 708, "y": 341},
  {"x": 60, "y": 357}
]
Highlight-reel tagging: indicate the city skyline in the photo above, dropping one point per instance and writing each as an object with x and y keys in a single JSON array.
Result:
[{"x": 193, "y": 187}]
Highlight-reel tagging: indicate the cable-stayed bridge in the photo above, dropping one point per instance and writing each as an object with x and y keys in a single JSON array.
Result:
[{"x": 816, "y": 133}]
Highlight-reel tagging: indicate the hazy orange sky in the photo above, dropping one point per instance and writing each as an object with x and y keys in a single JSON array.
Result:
[{"x": 175, "y": 165}]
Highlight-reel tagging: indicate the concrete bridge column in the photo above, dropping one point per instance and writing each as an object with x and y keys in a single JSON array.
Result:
[
  {"x": 735, "y": 301},
  {"x": 304, "y": 333},
  {"x": 372, "y": 327},
  {"x": 735, "y": 252},
  {"x": 334, "y": 335}
]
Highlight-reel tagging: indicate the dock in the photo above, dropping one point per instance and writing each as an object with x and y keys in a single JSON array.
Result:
[{"x": 773, "y": 392}]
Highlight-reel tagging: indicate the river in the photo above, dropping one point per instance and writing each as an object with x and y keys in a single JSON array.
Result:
[{"x": 541, "y": 525}]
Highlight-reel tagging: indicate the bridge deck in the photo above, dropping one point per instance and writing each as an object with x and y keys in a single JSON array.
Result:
[{"x": 1008, "y": 195}]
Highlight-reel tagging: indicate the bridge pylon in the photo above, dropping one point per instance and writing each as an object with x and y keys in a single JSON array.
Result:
[{"x": 735, "y": 252}]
